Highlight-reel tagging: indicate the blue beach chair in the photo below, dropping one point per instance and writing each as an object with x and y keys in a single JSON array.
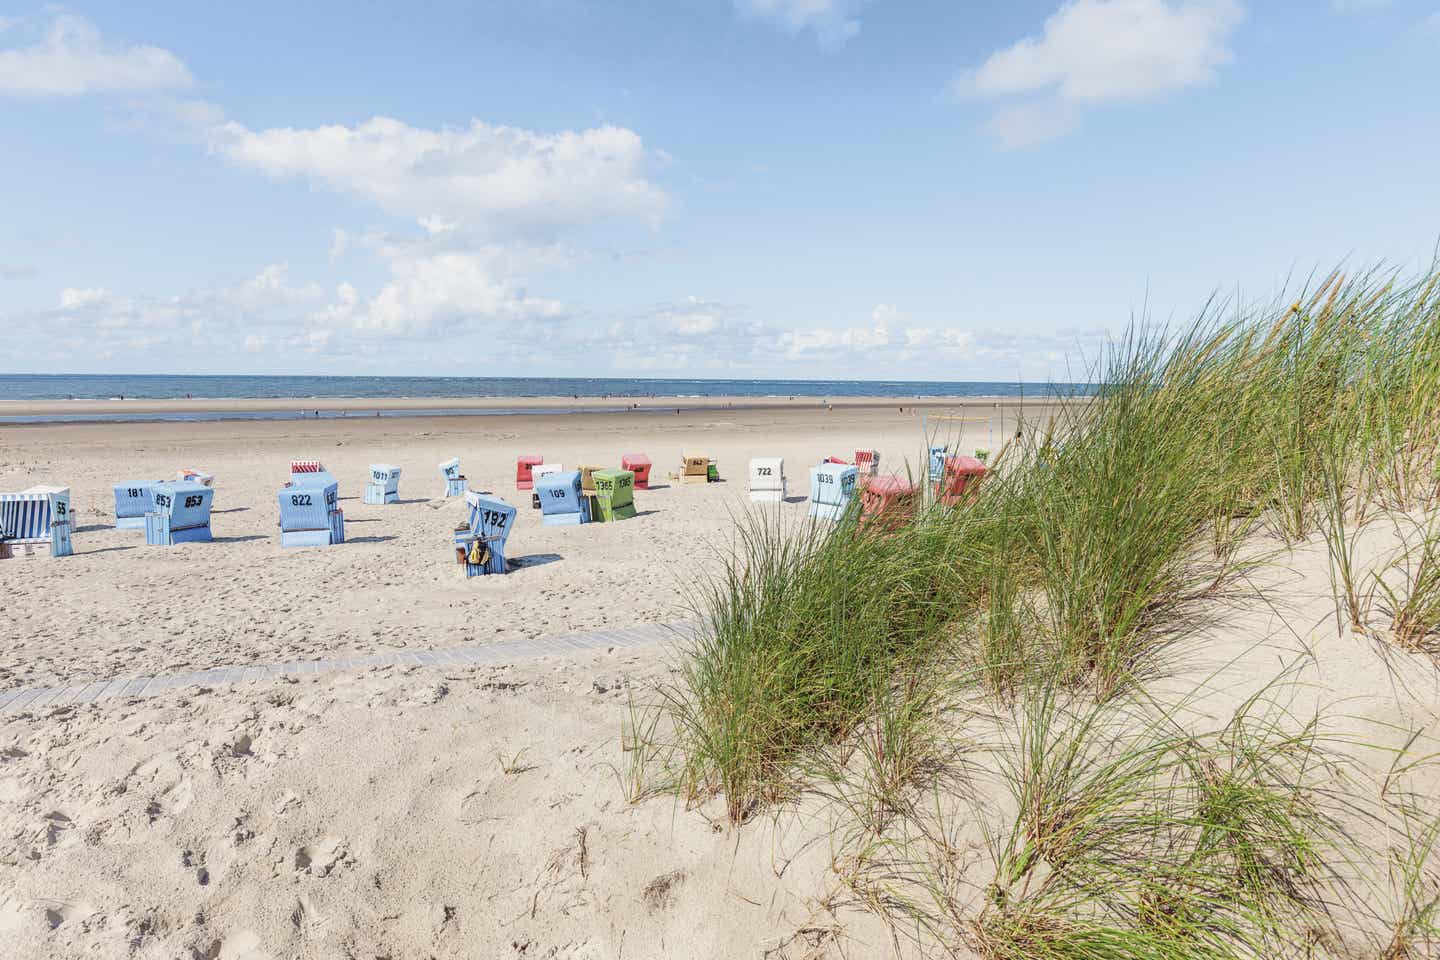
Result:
[
  {"x": 310, "y": 514},
  {"x": 35, "y": 522},
  {"x": 938, "y": 456},
  {"x": 454, "y": 479},
  {"x": 132, "y": 501},
  {"x": 384, "y": 485},
  {"x": 562, "y": 501},
  {"x": 491, "y": 520},
  {"x": 832, "y": 487},
  {"x": 181, "y": 513}
]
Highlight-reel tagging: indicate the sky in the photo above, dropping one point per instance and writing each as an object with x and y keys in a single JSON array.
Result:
[{"x": 872, "y": 189}]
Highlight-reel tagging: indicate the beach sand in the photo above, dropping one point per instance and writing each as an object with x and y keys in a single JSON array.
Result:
[
  {"x": 458, "y": 811},
  {"x": 118, "y": 606}
]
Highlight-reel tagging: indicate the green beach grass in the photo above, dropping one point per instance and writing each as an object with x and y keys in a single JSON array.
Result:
[{"x": 1019, "y": 634}]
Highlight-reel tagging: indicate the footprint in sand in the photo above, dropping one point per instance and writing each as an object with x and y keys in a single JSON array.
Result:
[
  {"x": 59, "y": 912},
  {"x": 320, "y": 858},
  {"x": 240, "y": 945}
]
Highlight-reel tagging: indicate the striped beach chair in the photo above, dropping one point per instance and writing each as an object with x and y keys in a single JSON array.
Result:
[
  {"x": 35, "y": 522},
  {"x": 132, "y": 501},
  {"x": 480, "y": 542},
  {"x": 614, "y": 496},
  {"x": 938, "y": 456},
  {"x": 454, "y": 479},
  {"x": 562, "y": 502},
  {"x": 695, "y": 467},
  {"x": 310, "y": 514},
  {"x": 524, "y": 470},
  {"x": 638, "y": 464},
  {"x": 181, "y": 514},
  {"x": 384, "y": 485},
  {"x": 832, "y": 487}
]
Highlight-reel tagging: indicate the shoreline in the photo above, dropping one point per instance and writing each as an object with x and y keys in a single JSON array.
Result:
[{"x": 56, "y": 412}]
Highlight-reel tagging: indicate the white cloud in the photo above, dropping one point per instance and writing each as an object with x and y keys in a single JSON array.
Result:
[
  {"x": 491, "y": 202},
  {"x": 97, "y": 322},
  {"x": 434, "y": 293},
  {"x": 494, "y": 179},
  {"x": 698, "y": 337},
  {"x": 832, "y": 21},
  {"x": 72, "y": 298},
  {"x": 1026, "y": 124},
  {"x": 72, "y": 59},
  {"x": 1102, "y": 51}
]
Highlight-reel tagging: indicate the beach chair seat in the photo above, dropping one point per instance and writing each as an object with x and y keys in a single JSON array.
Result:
[
  {"x": 36, "y": 522},
  {"x": 133, "y": 499},
  {"x": 638, "y": 464},
  {"x": 180, "y": 513},
  {"x": 695, "y": 468},
  {"x": 832, "y": 487},
  {"x": 489, "y": 524},
  {"x": 888, "y": 501},
  {"x": 525, "y": 465},
  {"x": 454, "y": 479},
  {"x": 310, "y": 514},
  {"x": 614, "y": 496},
  {"x": 562, "y": 502},
  {"x": 959, "y": 479},
  {"x": 767, "y": 479},
  {"x": 384, "y": 485}
]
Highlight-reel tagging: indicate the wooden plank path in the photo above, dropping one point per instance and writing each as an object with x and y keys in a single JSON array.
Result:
[{"x": 20, "y": 699}]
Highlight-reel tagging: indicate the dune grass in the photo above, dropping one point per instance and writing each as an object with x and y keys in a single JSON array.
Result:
[
  {"x": 844, "y": 658},
  {"x": 1411, "y": 598}
]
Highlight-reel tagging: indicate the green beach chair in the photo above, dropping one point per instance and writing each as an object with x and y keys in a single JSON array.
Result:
[{"x": 615, "y": 493}]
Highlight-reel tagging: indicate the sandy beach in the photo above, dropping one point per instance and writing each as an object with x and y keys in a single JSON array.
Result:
[
  {"x": 451, "y": 811},
  {"x": 117, "y": 605}
]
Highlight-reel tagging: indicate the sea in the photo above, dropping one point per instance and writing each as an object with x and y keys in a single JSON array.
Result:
[{"x": 159, "y": 387}]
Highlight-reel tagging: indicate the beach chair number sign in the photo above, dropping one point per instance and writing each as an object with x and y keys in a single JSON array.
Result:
[
  {"x": 490, "y": 518},
  {"x": 303, "y": 500},
  {"x": 766, "y": 471},
  {"x": 194, "y": 500},
  {"x": 133, "y": 492}
]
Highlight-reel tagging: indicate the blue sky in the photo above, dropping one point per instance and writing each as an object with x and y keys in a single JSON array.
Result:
[{"x": 727, "y": 188}]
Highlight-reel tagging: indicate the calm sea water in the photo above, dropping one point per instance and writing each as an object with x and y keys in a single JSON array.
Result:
[{"x": 104, "y": 387}]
